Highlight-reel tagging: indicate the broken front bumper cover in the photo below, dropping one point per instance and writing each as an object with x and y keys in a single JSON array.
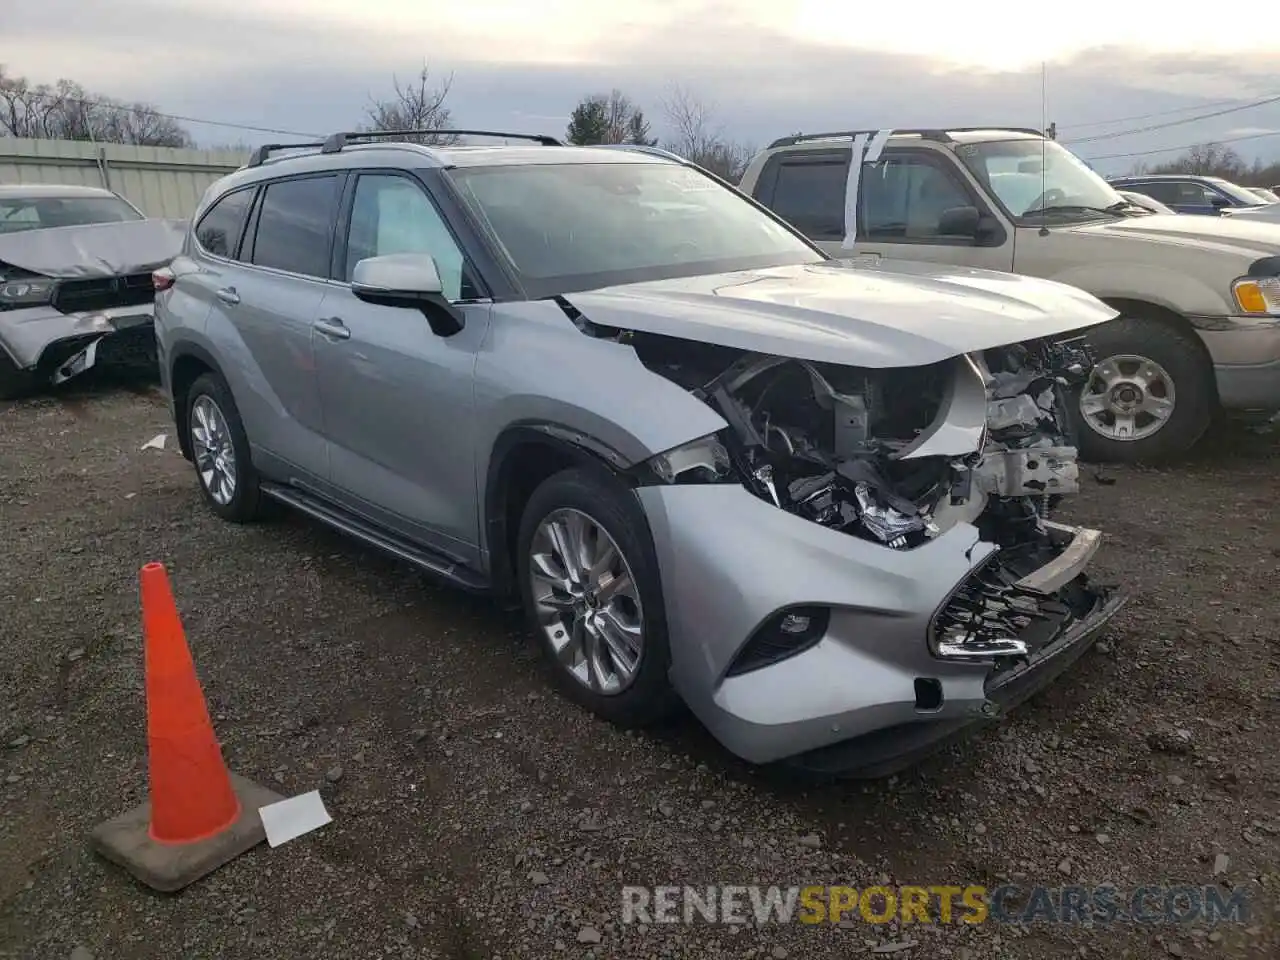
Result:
[
  {"x": 47, "y": 346},
  {"x": 871, "y": 695}
]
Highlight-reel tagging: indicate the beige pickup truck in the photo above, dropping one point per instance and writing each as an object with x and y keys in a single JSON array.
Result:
[{"x": 1199, "y": 297}]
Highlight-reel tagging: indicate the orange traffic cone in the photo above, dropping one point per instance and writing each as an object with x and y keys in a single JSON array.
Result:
[{"x": 199, "y": 816}]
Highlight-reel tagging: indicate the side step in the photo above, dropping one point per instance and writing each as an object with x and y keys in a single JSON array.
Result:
[{"x": 421, "y": 557}]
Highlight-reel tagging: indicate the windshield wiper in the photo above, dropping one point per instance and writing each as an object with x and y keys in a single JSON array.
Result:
[{"x": 1112, "y": 210}]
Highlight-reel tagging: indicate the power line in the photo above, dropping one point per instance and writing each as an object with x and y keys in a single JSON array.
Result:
[
  {"x": 1188, "y": 146},
  {"x": 1176, "y": 123},
  {"x": 1150, "y": 116},
  {"x": 108, "y": 105}
]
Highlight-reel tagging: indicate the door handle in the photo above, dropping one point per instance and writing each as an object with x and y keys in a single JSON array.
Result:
[
  {"x": 228, "y": 295},
  {"x": 333, "y": 328}
]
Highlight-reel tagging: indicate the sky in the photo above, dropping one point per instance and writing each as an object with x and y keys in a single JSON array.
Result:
[{"x": 766, "y": 69}]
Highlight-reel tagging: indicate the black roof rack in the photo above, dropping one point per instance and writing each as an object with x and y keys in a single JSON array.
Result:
[
  {"x": 261, "y": 153},
  {"x": 336, "y": 141},
  {"x": 939, "y": 135}
]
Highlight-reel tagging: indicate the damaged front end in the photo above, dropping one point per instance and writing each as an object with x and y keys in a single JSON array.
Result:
[
  {"x": 75, "y": 298},
  {"x": 900, "y": 456}
]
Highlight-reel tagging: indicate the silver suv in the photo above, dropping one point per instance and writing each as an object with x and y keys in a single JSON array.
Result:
[{"x": 806, "y": 498}]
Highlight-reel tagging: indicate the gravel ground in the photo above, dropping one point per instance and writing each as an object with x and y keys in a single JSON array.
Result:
[{"x": 477, "y": 815}]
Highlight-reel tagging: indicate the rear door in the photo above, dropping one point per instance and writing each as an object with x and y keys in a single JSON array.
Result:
[
  {"x": 398, "y": 399},
  {"x": 901, "y": 200},
  {"x": 271, "y": 302}
]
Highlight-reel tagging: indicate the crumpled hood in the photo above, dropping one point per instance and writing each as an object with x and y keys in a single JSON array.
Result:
[
  {"x": 1247, "y": 236},
  {"x": 890, "y": 314},
  {"x": 95, "y": 250}
]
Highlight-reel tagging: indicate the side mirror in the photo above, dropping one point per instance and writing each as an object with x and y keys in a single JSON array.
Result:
[
  {"x": 1219, "y": 202},
  {"x": 959, "y": 222},
  {"x": 407, "y": 280}
]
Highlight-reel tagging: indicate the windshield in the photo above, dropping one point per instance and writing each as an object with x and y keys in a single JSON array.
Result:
[
  {"x": 1265, "y": 194},
  {"x": 580, "y": 226},
  {"x": 1236, "y": 192},
  {"x": 36, "y": 213},
  {"x": 1032, "y": 188}
]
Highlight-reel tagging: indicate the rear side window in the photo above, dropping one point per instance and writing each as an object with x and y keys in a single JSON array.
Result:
[
  {"x": 1166, "y": 191},
  {"x": 219, "y": 229},
  {"x": 295, "y": 228},
  {"x": 810, "y": 194}
]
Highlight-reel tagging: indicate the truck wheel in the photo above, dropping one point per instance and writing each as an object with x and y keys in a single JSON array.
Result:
[{"x": 1150, "y": 397}]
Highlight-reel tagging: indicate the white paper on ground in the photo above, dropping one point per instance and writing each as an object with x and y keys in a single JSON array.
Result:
[
  {"x": 155, "y": 443},
  {"x": 288, "y": 819}
]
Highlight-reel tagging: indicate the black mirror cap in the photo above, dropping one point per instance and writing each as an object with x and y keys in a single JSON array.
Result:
[
  {"x": 959, "y": 222},
  {"x": 444, "y": 318}
]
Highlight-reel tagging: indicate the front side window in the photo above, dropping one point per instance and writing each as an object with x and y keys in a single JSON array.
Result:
[
  {"x": 1039, "y": 179},
  {"x": 37, "y": 213},
  {"x": 904, "y": 197},
  {"x": 579, "y": 226},
  {"x": 219, "y": 230},
  {"x": 295, "y": 226},
  {"x": 392, "y": 214}
]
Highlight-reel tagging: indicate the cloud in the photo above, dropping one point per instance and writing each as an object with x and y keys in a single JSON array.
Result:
[{"x": 311, "y": 66}]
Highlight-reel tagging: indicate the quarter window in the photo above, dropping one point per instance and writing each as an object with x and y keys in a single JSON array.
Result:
[
  {"x": 219, "y": 229},
  {"x": 295, "y": 226}
]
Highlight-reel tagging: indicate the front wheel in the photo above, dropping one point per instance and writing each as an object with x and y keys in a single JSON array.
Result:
[
  {"x": 1149, "y": 397},
  {"x": 589, "y": 582}
]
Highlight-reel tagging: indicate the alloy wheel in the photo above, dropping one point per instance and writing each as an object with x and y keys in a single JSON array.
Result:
[
  {"x": 213, "y": 451},
  {"x": 1127, "y": 398},
  {"x": 586, "y": 601}
]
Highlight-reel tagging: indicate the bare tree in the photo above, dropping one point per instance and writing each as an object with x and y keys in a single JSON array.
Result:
[
  {"x": 66, "y": 111},
  {"x": 419, "y": 105},
  {"x": 698, "y": 136}
]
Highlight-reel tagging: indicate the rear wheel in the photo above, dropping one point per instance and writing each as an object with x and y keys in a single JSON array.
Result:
[
  {"x": 220, "y": 450},
  {"x": 590, "y": 588},
  {"x": 1149, "y": 397}
]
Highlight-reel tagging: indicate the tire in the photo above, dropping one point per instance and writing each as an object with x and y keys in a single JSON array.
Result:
[
  {"x": 15, "y": 383},
  {"x": 646, "y": 697},
  {"x": 1175, "y": 356},
  {"x": 245, "y": 503}
]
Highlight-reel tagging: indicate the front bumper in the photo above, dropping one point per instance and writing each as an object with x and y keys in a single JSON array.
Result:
[
  {"x": 55, "y": 346},
  {"x": 1246, "y": 360},
  {"x": 852, "y": 702}
]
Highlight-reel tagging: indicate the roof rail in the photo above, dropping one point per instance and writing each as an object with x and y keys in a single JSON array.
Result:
[
  {"x": 336, "y": 141},
  {"x": 926, "y": 133},
  {"x": 260, "y": 154},
  {"x": 643, "y": 148}
]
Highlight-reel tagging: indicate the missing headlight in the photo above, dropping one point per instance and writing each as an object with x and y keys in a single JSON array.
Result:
[{"x": 704, "y": 460}]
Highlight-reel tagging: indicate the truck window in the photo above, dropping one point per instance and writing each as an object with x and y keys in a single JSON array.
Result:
[
  {"x": 810, "y": 195},
  {"x": 904, "y": 198}
]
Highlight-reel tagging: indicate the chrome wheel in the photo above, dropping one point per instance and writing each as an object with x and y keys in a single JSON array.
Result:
[
  {"x": 1127, "y": 398},
  {"x": 211, "y": 446},
  {"x": 586, "y": 601}
]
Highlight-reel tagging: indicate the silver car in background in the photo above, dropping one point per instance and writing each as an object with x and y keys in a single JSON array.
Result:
[
  {"x": 75, "y": 283},
  {"x": 804, "y": 497}
]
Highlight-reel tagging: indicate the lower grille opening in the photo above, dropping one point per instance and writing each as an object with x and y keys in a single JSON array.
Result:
[{"x": 103, "y": 293}]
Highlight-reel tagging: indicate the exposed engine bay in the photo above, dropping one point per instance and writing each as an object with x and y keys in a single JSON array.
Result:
[{"x": 895, "y": 456}]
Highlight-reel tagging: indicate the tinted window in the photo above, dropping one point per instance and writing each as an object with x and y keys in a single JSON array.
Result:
[
  {"x": 810, "y": 195},
  {"x": 296, "y": 225},
  {"x": 219, "y": 229},
  {"x": 904, "y": 197},
  {"x": 1165, "y": 191},
  {"x": 392, "y": 214}
]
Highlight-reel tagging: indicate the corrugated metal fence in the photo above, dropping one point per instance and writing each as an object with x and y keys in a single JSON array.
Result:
[{"x": 161, "y": 181}]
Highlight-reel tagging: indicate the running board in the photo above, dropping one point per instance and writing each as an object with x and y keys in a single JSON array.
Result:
[{"x": 423, "y": 558}]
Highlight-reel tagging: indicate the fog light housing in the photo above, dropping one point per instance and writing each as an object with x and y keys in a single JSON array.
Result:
[{"x": 788, "y": 632}]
